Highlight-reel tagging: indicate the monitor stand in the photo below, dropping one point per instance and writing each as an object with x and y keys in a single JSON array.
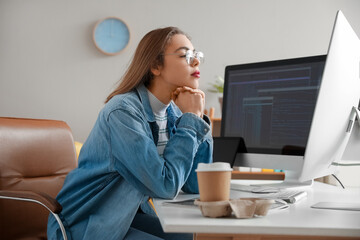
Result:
[
  {"x": 290, "y": 182},
  {"x": 291, "y": 166}
]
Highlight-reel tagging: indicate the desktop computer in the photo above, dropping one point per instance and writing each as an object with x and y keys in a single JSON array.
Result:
[{"x": 296, "y": 114}]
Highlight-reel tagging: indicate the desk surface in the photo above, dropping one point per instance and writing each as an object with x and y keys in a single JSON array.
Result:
[{"x": 298, "y": 219}]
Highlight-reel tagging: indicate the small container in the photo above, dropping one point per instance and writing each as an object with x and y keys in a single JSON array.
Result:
[
  {"x": 263, "y": 206},
  {"x": 214, "y": 209},
  {"x": 250, "y": 207}
]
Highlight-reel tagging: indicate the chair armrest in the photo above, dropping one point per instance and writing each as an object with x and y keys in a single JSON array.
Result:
[{"x": 41, "y": 198}]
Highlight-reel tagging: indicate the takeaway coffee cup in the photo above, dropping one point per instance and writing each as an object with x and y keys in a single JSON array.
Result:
[{"x": 214, "y": 181}]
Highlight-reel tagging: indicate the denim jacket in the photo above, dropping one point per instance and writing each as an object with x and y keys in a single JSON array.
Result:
[{"x": 120, "y": 168}]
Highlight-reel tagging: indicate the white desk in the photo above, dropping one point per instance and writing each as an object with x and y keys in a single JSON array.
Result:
[{"x": 299, "y": 220}]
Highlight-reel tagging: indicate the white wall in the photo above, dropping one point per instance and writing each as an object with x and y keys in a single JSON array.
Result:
[{"x": 50, "y": 68}]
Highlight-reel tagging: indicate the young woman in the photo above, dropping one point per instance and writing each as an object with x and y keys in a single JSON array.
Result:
[{"x": 146, "y": 142}]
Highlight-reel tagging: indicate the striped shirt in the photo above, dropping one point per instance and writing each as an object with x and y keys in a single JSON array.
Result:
[{"x": 159, "y": 110}]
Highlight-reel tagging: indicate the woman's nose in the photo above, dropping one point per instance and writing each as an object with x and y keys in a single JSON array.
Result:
[{"x": 195, "y": 62}]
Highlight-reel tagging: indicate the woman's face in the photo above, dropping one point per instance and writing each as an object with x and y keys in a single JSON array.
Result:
[{"x": 176, "y": 72}]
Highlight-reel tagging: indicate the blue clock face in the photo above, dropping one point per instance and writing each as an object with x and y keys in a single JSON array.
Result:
[{"x": 111, "y": 35}]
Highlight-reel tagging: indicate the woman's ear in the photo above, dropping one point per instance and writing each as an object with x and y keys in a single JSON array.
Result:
[{"x": 156, "y": 70}]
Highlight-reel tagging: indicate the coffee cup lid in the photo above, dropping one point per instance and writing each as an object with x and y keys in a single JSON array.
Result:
[{"x": 212, "y": 167}]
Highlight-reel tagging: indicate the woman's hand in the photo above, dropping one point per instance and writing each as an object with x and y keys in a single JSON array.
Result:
[{"x": 189, "y": 100}]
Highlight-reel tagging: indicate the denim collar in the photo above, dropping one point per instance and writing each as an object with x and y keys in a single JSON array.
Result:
[{"x": 144, "y": 98}]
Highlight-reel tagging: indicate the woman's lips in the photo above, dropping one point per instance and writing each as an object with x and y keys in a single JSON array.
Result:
[{"x": 196, "y": 74}]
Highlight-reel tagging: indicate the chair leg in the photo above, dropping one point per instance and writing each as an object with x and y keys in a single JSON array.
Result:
[{"x": 60, "y": 224}]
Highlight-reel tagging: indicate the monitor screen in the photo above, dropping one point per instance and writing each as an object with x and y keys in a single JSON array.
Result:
[{"x": 271, "y": 104}]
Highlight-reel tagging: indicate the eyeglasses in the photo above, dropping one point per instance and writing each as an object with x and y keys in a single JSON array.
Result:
[{"x": 190, "y": 55}]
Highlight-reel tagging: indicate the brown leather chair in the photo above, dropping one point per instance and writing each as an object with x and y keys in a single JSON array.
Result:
[{"x": 35, "y": 157}]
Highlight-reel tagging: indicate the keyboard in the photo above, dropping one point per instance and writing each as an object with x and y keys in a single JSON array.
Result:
[
  {"x": 254, "y": 188},
  {"x": 241, "y": 187}
]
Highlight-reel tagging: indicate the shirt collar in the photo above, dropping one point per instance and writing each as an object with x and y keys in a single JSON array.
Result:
[
  {"x": 158, "y": 107},
  {"x": 172, "y": 110}
]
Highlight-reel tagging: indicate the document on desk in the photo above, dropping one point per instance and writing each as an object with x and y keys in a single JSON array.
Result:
[{"x": 189, "y": 203}]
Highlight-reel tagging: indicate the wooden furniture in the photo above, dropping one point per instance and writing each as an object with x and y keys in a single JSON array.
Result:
[
  {"x": 215, "y": 122},
  {"x": 258, "y": 175}
]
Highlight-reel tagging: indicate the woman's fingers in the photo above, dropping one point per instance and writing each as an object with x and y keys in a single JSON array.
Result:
[
  {"x": 189, "y": 100},
  {"x": 185, "y": 88}
]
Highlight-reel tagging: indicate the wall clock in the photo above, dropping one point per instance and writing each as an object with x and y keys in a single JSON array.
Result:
[{"x": 111, "y": 35}]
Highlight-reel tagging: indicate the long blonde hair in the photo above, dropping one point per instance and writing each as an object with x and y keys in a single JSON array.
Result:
[{"x": 148, "y": 55}]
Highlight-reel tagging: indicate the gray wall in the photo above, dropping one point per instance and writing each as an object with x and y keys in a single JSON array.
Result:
[{"x": 50, "y": 68}]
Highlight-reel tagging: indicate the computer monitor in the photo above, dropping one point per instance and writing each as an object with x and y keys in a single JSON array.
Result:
[
  {"x": 337, "y": 104},
  {"x": 293, "y": 114}
]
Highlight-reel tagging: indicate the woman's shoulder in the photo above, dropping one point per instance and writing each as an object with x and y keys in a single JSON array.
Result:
[{"x": 129, "y": 101}]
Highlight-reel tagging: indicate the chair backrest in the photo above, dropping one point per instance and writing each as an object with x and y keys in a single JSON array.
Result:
[{"x": 35, "y": 155}]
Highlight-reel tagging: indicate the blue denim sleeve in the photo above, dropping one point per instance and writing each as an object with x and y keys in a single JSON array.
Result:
[
  {"x": 203, "y": 155},
  {"x": 135, "y": 156}
]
